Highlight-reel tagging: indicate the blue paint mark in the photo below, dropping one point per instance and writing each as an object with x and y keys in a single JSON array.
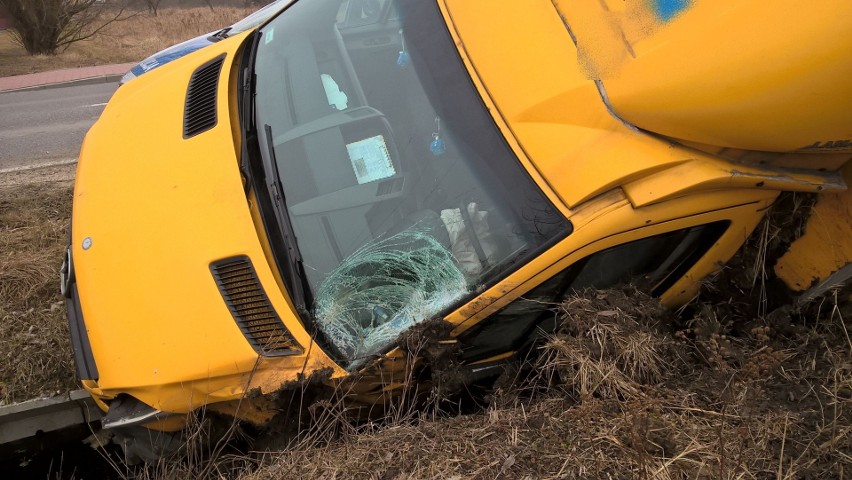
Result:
[{"x": 668, "y": 9}]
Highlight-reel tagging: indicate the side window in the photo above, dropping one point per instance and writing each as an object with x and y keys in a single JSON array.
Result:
[{"x": 654, "y": 264}]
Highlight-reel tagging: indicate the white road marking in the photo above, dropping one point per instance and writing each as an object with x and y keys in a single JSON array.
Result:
[{"x": 98, "y": 104}]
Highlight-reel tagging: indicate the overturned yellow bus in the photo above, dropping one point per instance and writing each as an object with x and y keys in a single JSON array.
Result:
[{"x": 293, "y": 198}]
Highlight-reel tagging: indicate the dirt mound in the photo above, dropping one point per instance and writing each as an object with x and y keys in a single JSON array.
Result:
[{"x": 609, "y": 343}]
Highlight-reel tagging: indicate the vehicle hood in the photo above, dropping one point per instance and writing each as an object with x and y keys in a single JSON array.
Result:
[
  {"x": 167, "y": 55},
  {"x": 155, "y": 210}
]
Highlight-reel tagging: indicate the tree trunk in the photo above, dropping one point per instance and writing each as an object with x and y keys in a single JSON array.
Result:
[{"x": 46, "y": 26}]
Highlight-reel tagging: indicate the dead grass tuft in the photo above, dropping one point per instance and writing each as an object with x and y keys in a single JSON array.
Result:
[
  {"x": 609, "y": 342},
  {"x": 34, "y": 341}
]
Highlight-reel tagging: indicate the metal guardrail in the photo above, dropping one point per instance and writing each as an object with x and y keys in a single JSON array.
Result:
[{"x": 37, "y": 421}]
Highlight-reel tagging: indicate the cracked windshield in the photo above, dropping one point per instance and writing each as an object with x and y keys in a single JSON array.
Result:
[{"x": 404, "y": 199}]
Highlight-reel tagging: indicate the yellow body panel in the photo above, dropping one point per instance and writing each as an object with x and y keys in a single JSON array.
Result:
[
  {"x": 158, "y": 210},
  {"x": 826, "y": 245},
  {"x": 555, "y": 112},
  {"x": 742, "y": 74}
]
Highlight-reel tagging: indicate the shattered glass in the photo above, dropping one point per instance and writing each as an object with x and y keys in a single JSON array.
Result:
[{"x": 384, "y": 288}]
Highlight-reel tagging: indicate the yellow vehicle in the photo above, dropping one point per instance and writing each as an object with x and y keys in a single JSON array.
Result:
[{"x": 294, "y": 198}]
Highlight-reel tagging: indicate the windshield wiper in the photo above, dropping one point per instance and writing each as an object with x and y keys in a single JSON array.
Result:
[
  {"x": 261, "y": 174},
  {"x": 295, "y": 269},
  {"x": 220, "y": 35}
]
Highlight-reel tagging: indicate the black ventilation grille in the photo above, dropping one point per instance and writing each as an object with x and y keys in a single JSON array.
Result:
[
  {"x": 250, "y": 307},
  {"x": 199, "y": 114}
]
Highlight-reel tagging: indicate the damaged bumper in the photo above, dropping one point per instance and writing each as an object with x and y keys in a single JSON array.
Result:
[{"x": 83, "y": 358}]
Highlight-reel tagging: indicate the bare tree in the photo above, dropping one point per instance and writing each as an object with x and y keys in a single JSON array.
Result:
[
  {"x": 49, "y": 26},
  {"x": 153, "y": 6}
]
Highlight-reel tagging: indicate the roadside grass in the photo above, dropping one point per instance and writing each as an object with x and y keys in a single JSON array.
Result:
[
  {"x": 35, "y": 351},
  {"x": 123, "y": 41}
]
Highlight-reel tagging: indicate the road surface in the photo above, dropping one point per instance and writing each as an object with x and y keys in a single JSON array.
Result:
[{"x": 45, "y": 126}]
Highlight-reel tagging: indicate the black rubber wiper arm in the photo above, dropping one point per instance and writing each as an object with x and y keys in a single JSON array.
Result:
[
  {"x": 220, "y": 35},
  {"x": 295, "y": 267}
]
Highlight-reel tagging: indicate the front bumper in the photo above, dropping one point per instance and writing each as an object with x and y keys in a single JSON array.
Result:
[{"x": 83, "y": 358}]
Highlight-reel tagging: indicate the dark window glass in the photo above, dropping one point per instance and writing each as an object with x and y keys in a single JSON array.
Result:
[{"x": 654, "y": 264}]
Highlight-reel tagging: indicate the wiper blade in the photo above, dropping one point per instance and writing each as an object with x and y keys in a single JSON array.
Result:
[
  {"x": 221, "y": 34},
  {"x": 261, "y": 173},
  {"x": 295, "y": 270}
]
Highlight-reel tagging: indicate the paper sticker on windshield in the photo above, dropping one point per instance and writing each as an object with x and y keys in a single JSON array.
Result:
[
  {"x": 269, "y": 33},
  {"x": 370, "y": 159}
]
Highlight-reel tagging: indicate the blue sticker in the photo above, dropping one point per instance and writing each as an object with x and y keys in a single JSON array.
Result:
[{"x": 668, "y": 9}]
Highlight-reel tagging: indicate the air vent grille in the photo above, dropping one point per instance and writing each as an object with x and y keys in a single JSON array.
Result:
[
  {"x": 199, "y": 114},
  {"x": 250, "y": 307}
]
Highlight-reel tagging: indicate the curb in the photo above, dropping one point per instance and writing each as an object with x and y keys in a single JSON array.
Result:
[{"x": 69, "y": 83}]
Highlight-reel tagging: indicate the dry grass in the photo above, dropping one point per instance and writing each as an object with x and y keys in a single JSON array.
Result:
[
  {"x": 122, "y": 42},
  {"x": 34, "y": 346},
  {"x": 699, "y": 404}
]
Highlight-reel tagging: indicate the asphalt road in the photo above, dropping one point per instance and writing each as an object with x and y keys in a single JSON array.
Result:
[{"x": 45, "y": 126}]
